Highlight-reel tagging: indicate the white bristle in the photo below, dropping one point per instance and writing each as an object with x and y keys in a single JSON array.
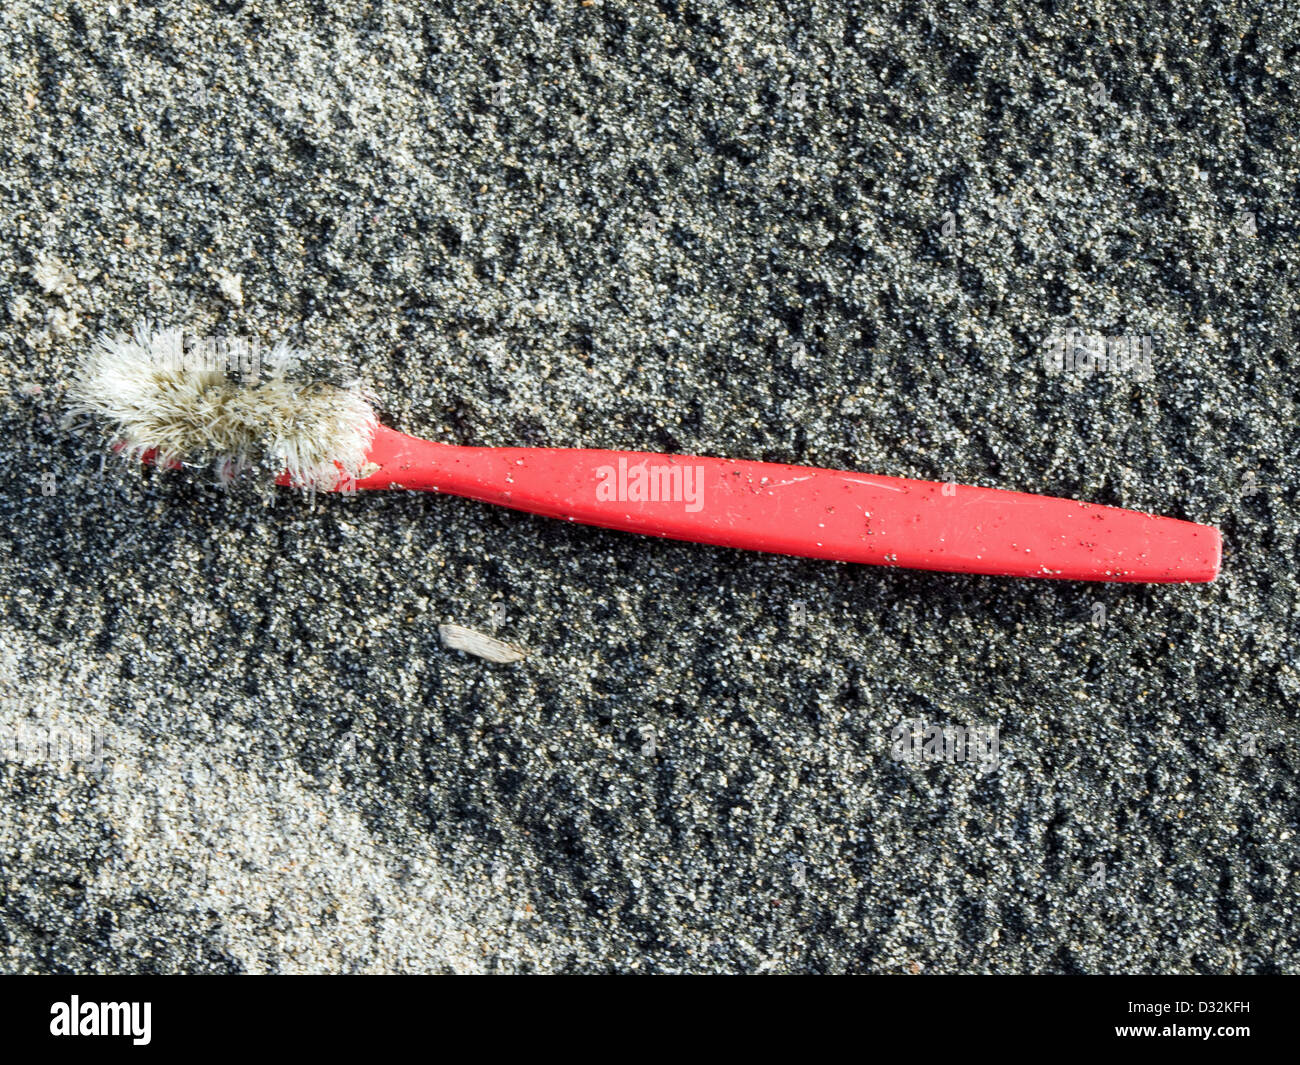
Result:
[{"x": 156, "y": 402}]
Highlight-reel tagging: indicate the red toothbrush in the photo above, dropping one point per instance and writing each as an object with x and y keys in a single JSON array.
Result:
[
  {"x": 801, "y": 510},
  {"x": 327, "y": 436}
]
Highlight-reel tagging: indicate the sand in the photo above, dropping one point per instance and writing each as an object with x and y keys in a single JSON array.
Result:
[{"x": 829, "y": 234}]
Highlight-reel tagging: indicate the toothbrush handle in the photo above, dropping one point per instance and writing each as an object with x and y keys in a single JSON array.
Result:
[{"x": 815, "y": 513}]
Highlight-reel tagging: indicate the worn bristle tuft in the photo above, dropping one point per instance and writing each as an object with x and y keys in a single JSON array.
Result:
[{"x": 157, "y": 402}]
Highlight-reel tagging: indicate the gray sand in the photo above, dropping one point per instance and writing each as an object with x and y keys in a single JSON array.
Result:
[{"x": 672, "y": 228}]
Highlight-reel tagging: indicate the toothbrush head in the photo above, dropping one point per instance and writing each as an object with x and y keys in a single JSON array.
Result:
[{"x": 171, "y": 407}]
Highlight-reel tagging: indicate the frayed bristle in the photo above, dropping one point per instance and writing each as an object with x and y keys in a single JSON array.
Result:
[{"x": 156, "y": 402}]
